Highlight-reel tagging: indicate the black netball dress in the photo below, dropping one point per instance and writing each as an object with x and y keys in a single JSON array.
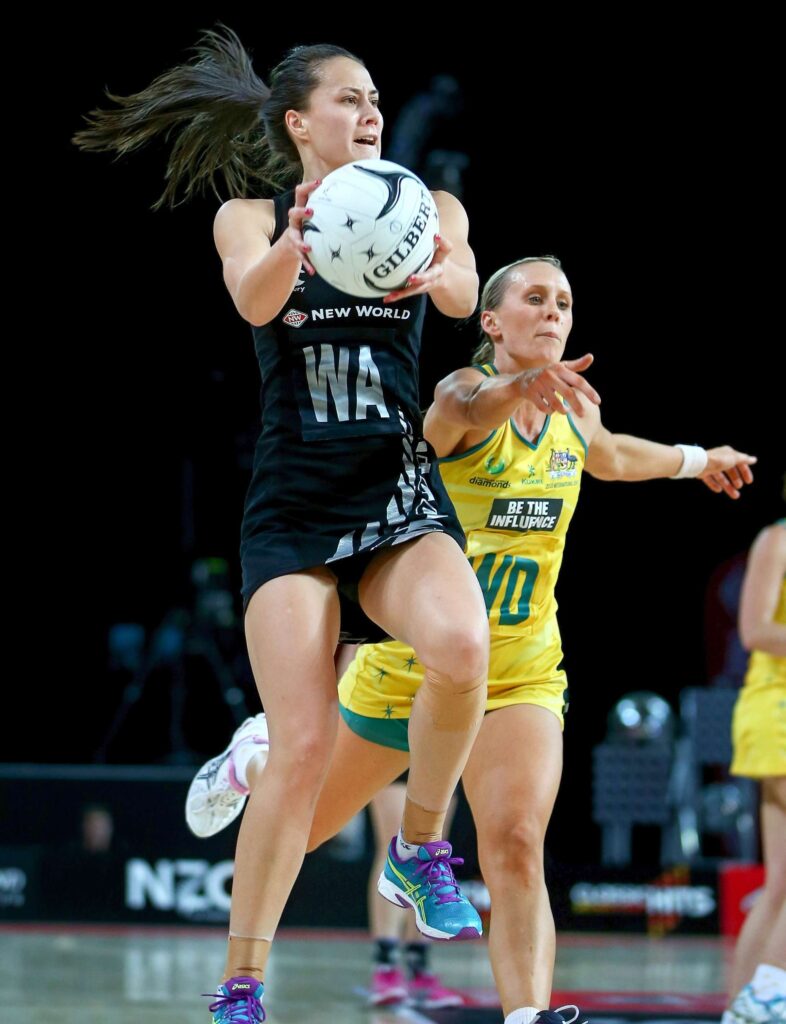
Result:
[{"x": 341, "y": 469}]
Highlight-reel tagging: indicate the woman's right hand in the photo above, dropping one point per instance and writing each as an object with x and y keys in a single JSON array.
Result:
[
  {"x": 549, "y": 387},
  {"x": 293, "y": 236}
]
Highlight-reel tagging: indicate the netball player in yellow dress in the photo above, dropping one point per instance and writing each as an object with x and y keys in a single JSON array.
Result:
[
  {"x": 759, "y": 736},
  {"x": 513, "y": 469}
]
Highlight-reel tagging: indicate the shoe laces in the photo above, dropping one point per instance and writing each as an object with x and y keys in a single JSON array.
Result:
[
  {"x": 438, "y": 872},
  {"x": 241, "y": 1009},
  {"x": 211, "y": 772},
  {"x": 576, "y": 1013}
]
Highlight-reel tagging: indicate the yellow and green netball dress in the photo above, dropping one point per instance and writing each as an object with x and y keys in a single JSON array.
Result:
[
  {"x": 759, "y": 725},
  {"x": 515, "y": 500}
]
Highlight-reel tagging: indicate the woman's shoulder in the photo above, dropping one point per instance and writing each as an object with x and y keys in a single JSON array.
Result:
[
  {"x": 446, "y": 201},
  {"x": 255, "y": 213},
  {"x": 769, "y": 549},
  {"x": 453, "y": 220},
  {"x": 773, "y": 536},
  {"x": 586, "y": 419}
]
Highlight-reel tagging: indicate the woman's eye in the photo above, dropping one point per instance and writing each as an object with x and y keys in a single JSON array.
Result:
[{"x": 535, "y": 298}]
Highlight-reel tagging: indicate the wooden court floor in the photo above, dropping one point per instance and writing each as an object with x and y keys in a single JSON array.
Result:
[{"x": 122, "y": 975}]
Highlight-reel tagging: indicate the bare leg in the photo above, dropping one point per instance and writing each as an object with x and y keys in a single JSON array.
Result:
[
  {"x": 444, "y": 612},
  {"x": 292, "y": 629},
  {"x": 511, "y": 782},
  {"x": 426, "y": 594},
  {"x": 358, "y": 771},
  {"x": 763, "y": 936},
  {"x": 344, "y": 655},
  {"x": 386, "y": 921}
]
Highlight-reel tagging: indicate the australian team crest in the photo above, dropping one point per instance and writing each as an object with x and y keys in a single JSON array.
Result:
[{"x": 562, "y": 463}]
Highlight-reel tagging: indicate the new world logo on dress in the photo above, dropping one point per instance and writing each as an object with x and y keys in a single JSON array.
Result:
[{"x": 294, "y": 318}]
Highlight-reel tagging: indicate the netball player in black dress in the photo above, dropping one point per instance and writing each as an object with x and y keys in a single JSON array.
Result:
[{"x": 346, "y": 522}]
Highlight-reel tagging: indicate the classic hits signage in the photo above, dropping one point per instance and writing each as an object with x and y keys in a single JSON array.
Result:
[{"x": 672, "y": 900}]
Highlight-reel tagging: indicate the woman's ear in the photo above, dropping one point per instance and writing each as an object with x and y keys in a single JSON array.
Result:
[
  {"x": 295, "y": 123},
  {"x": 488, "y": 322}
]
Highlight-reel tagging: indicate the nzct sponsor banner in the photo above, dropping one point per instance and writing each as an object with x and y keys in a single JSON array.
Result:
[
  {"x": 110, "y": 844},
  {"x": 193, "y": 889}
]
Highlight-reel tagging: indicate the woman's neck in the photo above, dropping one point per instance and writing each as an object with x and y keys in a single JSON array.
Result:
[{"x": 315, "y": 167}]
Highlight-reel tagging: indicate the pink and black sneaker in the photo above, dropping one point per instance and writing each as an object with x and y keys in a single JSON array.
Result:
[
  {"x": 388, "y": 987},
  {"x": 427, "y": 992}
]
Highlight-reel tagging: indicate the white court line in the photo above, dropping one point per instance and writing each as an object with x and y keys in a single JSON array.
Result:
[{"x": 405, "y": 1013}]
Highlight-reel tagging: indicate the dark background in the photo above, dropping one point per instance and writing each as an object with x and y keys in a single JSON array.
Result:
[{"x": 647, "y": 165}]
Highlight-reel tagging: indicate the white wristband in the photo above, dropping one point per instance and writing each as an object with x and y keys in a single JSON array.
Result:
[{"x": 694, "y": 461}]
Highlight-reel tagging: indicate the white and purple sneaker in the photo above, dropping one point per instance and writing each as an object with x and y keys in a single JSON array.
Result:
[
  {"x": 239, "y": 1000},
  {"x": 216, "y": 796}
]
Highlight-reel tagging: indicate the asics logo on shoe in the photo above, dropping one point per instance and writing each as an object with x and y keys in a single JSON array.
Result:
[
  {"x": 237, "y": 986},
  {"x": 442, "y": 853}
]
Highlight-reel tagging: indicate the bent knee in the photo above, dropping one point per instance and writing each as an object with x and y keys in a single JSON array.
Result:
[
  {"x": 459, "y": 654},
  {"x": 516, "y": 851},
  {"x": 304, "y": 758}
]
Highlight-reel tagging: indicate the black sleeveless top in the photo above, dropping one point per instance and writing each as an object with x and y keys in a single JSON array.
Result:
[{"x": 340, "y": 468}]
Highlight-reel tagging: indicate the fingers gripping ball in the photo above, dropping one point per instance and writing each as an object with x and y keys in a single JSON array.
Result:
[{"x": 373, "y": 225}]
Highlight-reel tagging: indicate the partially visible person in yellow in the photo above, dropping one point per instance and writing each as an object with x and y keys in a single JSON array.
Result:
[{"x": 758, "y": 979}]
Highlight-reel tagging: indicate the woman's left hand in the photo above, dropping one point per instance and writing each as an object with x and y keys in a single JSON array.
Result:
[
  {"x": 727, "y": 470},
  {"x": 419, "y": 284}
]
